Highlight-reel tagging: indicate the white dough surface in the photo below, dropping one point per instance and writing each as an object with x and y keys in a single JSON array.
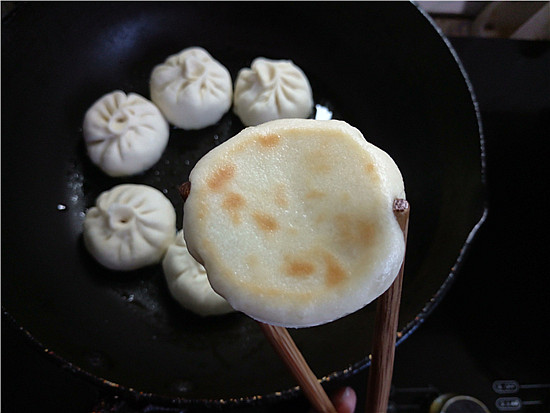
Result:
[
  {"x": 124, "y": 134},
  {"x": 188, "y": 283},
  {"x": 192, "y": 89},
  {"x": 271, "y": 89},
  {"x": 130, "y": 227}
]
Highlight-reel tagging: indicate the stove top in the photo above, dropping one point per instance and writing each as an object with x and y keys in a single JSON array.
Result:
[{"x": 488, "y": 339}]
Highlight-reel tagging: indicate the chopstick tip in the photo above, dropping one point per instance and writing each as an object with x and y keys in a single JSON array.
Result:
[{"x": 400, "y": 205}]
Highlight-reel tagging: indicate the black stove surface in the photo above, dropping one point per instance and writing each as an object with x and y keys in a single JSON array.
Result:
[{"x": 488, "y": 338}]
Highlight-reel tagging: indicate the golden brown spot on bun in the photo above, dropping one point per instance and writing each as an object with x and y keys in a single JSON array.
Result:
[
  {"x": 335, "y": 274},
  {"x": 345, "y": 197},
  {"x": 366, "y": 231},
  {"x": 277, "y": 292},
  {"x": 320, "y": 218},
  {"x": 233, "y": 203},
  {"x": 344, "y": 226},
  {"x": 265, "y": 221},
  {"x": 370, "y": 169},
  {"x": 314, "y": 194},
  {"x": 351, "y": 230},
  {"x": 269, "y": 141},
  {"x": 298, "y": 268},
  {"x": 221, "y": 176},
  {"x": 319, "y": 161}
]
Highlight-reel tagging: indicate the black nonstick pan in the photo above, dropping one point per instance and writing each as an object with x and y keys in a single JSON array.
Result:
[{"x": 382, "y": 67}]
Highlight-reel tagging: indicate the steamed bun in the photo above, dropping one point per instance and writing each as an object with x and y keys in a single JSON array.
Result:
[
  {"x": 124, "y": 134},
  {"x": 130, "y": 227},
  {"x": 192, "y": 89},
  {"x": 188, "y": 283},
  {"x": 271, "y": 89},
  {"x": 293, "y": 221}
]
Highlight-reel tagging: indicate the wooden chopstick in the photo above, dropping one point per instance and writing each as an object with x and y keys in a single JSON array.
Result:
[
  {"x": 284, "y": 345},
  {"x": 385, "y": 329}
]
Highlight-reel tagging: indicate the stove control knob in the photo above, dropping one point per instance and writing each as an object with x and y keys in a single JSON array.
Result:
[{"x": 453, "y": 403}]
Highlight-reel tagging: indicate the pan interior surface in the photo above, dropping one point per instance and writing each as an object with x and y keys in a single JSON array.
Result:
[{"x": 381, "y": 67}]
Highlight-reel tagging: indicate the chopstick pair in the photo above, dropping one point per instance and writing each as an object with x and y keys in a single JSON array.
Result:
[{"x": 383, "y": 349}]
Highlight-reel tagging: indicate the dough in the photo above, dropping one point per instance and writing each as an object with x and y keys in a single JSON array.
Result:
[
  {"x": 293, "y": 221},
  {"x": 130, "y": 227},
  {"x": 188, "y": 283},
  {"x": 124, "y": 134},
  {"x": 192, "y": 89},
  {"x": 272, "y": 89}
]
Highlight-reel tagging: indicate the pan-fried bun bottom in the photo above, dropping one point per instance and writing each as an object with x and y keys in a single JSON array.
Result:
[{"x": 293, "y": 221}]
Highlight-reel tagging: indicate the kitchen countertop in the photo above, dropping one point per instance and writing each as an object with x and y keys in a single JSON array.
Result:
[{"x": 492, "y": 325}]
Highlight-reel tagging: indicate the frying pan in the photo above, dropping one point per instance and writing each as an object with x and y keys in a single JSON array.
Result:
[{"x": 382, "y": 67}]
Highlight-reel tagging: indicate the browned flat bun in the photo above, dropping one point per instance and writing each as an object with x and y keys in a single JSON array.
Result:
[{"x": 293, "y": 221}]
